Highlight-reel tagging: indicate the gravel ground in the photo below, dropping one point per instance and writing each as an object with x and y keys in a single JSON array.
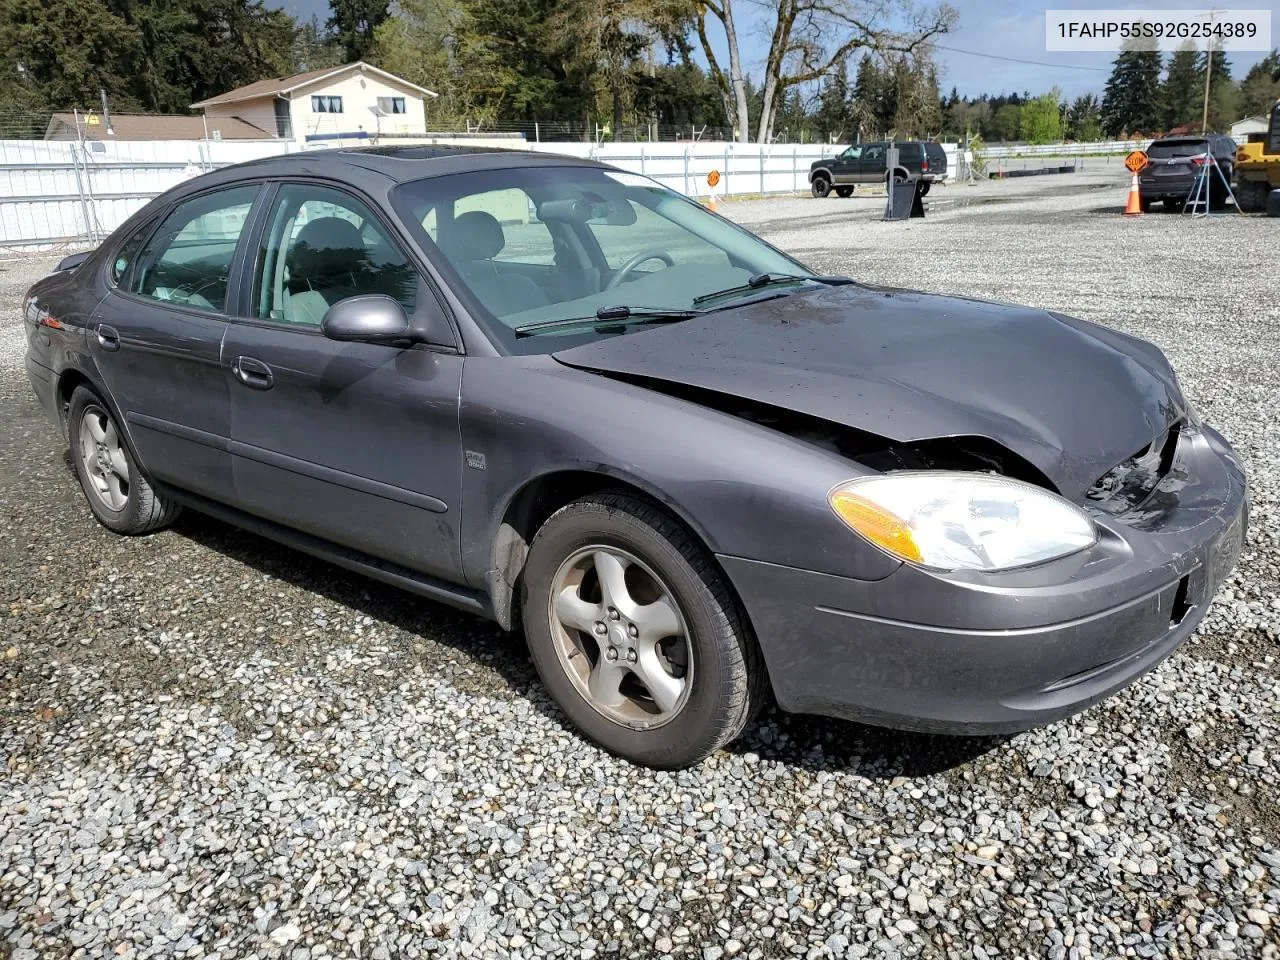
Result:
[{"x": 217, "y": 747}]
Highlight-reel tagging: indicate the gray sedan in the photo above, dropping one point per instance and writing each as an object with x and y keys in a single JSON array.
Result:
[{"x": 695, "y": 473}]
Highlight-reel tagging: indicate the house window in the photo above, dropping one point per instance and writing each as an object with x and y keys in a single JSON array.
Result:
[
  {"x": 326, "y": 104},
  {"x": 390, "y": 105}
]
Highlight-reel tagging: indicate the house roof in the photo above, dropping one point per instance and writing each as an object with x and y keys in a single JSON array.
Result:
[
  {"x": 137, "y": 126},
  {"x": 283, "y": 86}
]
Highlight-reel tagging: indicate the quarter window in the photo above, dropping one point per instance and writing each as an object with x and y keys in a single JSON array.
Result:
[
  {"x": 322, "y": 246},
  {"x": 128, "y": 250},
  {"x": 188, "y": 260},
  {"x": 326, "y": 104}
]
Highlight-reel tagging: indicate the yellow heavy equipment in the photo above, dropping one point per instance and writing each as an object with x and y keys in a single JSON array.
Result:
[{"x": 1258, "y": 169}]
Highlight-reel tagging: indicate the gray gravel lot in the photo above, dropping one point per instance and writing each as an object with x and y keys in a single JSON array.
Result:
[{"x": 217, "y": 747}]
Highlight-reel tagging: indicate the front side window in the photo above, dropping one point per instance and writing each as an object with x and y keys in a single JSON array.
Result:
[
  {"x": 321, "y": 246},
  {"x": 326, "y": 104},
  {"x": 853, "y": 153},
  {"x": 188, "y": 259},
  {"x": 531, "y": 244}
]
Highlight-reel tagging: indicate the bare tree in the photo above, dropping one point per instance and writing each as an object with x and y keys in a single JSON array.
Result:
[{"x": 808, "y": 38}]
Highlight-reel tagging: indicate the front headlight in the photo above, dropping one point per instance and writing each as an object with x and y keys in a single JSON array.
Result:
[{"x": 962, "y": 521}]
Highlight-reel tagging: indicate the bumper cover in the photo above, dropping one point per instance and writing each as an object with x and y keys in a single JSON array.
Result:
[{"x": 993, "y": 653}]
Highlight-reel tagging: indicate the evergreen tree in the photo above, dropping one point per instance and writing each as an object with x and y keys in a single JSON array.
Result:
[
  {"x": 1183, "y": 90},
  {"x": 1260, "y": 88},
  {"x": 833, "y": 117},
  {"x": 1084, "y": 119},
  {"x": 1223, "y": 94},
  {"x": 353, "y": 23},
  {"x": 1131, "y": 100}
]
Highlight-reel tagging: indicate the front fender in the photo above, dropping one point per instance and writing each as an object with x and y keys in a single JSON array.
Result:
[{"x": 746, "y": 490}]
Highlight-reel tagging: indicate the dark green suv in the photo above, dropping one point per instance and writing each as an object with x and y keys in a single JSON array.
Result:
[{"x": 866, "y": 163}]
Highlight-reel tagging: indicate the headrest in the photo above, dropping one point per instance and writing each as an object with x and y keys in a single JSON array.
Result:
[
  {"x": 475, "y": 236},
  {"x": 325, "y": 246}
]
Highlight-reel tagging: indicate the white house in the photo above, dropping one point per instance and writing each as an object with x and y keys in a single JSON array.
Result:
[
  {"x": 353, "y": 101},
  {"x": 1242, "y": 128}
]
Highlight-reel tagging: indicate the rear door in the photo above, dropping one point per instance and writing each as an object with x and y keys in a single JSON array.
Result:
[
  {"x": 871, "y": 168},
  {"x": 356, "y": 443},
  {"x": 157, "y": 338}
]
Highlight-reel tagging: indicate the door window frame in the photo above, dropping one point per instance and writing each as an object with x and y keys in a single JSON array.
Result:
[
  {"x": 235, "y": 269},
  {"x": 260, "y": 224}
]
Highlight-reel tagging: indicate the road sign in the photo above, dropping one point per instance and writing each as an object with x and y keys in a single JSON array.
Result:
[
  {"x": 1136, "y": 162},
  {"x": 713, "y": 178}
]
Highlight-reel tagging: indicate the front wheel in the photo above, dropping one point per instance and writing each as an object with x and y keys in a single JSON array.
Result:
[
  {"x": 820, "y": 187},
  {"x": 636, "y": 634},
  {"x": 118, "y": 494}
]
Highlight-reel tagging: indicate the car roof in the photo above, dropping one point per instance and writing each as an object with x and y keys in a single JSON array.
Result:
[{"x": 398, "y": 164}]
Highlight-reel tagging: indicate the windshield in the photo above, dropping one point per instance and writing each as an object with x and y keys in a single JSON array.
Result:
[{"x": 534, "y": 244}]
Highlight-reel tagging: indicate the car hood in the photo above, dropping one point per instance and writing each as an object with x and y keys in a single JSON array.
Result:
[{"x": 1072, "y": 398}]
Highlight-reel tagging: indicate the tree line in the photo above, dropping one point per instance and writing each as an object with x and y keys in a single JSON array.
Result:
[{"x": 834, "y": 70}]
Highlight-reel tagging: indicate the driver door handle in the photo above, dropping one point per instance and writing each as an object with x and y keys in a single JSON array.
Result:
[
  {"x": 253, "y": 373},
  {"x": 108, "y": 337}
]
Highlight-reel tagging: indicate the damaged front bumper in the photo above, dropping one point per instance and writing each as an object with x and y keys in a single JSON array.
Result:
[{"x": 982, "y": 653}]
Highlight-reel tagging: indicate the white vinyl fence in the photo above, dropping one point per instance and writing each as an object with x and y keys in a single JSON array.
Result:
[{"x": 62, "y": 193}]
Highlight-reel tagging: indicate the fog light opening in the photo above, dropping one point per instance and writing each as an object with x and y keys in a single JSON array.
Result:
[{"x": 1180, "y": 602}]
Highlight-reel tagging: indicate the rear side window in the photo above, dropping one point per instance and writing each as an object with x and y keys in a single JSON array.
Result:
[
  {"x": 188, "y": 260},
  {"x": 1173, "y": 149}
]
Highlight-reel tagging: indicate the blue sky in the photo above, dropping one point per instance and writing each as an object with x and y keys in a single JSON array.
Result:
[{"x": 1013, "y": 29}]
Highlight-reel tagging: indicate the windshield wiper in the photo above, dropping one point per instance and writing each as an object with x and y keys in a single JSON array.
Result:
[
  {"x": 611, "y": 317},
  {"x": 762, "y": 280}
]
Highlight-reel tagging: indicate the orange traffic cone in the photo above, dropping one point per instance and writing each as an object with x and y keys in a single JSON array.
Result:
[{"x": 1134, "y": 206}]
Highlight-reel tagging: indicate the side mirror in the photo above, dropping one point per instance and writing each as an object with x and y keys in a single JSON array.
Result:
[{"x": 368, "y": 318}]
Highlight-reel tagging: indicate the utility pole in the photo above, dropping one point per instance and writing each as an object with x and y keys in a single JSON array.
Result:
[{"x": 1208, "y": 73}]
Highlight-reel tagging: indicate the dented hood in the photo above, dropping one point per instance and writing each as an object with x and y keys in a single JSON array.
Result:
[{"x": 1072, "y": 398}]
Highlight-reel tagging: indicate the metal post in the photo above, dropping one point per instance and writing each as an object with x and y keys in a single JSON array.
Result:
[
  {"x": 762, "y": 173},
  {"x": 537, "y": 135}
]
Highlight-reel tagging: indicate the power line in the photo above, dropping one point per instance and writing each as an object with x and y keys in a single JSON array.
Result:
[
  {"x": 831, "y": 21},
  {"x": 1034, "y": 63}
]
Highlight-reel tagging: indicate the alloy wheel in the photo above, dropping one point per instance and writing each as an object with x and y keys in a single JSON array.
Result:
[
  {"x": 103, "y": 459},
  {"x": 621, "y": 637}
]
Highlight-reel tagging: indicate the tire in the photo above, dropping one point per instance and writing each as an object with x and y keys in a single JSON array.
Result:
[
  {"x": 1174, "y": 204},
  {"x": 821, "y": 186},
  {"x": 713, "y": 670},
  {"x": 924, "y": 188},
  {"x": 844, "y": 192},
  {"x": 1251, "y": 195},
  {"x": 118, "y": 494}
]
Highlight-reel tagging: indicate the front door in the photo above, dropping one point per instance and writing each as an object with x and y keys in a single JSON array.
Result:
[
  {"x": 157, "y": 339},
  {"x": 845, "y": 166},
  {"x": 356, "y": 443}
]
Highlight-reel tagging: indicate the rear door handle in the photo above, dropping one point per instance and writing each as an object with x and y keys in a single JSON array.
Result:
[
  {"x": 253, "y": 373},
  {"x": 108, "y": 337}
]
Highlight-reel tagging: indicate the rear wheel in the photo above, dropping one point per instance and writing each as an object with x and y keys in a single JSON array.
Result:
[
  {"x": 635, "y": 633},
  {"x": 1174, "y": 204},
  {"x": 844, "y": 192},
  {"x": 119, "y": 496},
  {"x": 820, "y": 186}
]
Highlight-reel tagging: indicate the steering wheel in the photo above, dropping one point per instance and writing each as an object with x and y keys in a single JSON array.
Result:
[{"x": 625, "y": 271}]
